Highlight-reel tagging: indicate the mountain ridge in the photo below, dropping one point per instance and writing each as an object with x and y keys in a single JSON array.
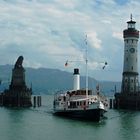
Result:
[{"x": 48, "y": 80}]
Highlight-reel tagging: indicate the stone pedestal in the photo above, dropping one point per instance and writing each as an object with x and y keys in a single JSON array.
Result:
[
  {"x": 127, "y": 101},
  {"x": 18, "y": 94}
]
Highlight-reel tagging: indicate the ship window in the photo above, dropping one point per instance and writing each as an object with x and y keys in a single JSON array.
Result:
[
  {"x": 132, "y": 68},
  {"x": 73, "y": 104},
  {"x": 127, "y": 59},
  {"x": 64, "y": 98},
  {"x": 84, "y": 103},
  {"x": 77, "y": 103},
  {"x": 132, "y": 80},
  {"x": 132, "y": 40},
  {"x": 126, "y": 80}
]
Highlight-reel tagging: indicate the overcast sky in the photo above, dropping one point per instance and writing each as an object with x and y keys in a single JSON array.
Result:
[{"x": 49, "y": 32}]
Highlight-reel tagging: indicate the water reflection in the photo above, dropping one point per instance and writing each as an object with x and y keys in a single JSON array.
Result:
[
  {"x": 129, "y": 128},
  {"x": 16, "y": 123},
  {"x": 39, "y": 123}
]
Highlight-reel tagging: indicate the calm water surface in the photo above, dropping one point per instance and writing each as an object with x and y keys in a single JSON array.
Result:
[{"x": 40, "y": 124}]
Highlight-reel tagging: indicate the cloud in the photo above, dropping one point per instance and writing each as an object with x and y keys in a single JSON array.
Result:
[
  {"x": 29, "y": 63},
  {"x": 94, "y": 40},
  {"x": 106, "y": 21},
  {"x": 118, "y": 35},
  {"x": 48, "y": 32}
]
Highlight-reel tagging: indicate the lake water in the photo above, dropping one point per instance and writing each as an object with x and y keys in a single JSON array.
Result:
[{"x": 40, "y": 124}]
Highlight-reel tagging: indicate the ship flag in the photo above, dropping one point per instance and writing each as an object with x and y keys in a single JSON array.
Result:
[
  {"x": 104, "y": 65},
  {"x": 66, "y": 64}
]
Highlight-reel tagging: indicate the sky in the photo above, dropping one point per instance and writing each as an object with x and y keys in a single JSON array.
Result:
[{"x": 47, "y": 33}]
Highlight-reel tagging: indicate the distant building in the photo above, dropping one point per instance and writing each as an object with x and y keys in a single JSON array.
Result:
[
  {"x": 129, "y": 98},
  {"x": 18, "y": 94}
]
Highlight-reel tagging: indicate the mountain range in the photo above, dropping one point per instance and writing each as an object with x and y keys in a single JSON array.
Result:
[{"x": 48, "y": 81}]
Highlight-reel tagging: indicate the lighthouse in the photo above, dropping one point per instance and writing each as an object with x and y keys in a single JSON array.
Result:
[
  {"x": 129, "y": 97},
  {"x": 130, "y": 82}
]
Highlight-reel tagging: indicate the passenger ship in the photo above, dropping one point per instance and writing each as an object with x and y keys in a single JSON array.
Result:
[{"x": 80, "y": 103}]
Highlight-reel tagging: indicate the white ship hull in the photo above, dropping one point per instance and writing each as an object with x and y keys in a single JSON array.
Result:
[{"x": 80, "y": 107}]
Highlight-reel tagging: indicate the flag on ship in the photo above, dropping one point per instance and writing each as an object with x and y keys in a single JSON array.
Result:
[
  {"x": 66, "y": 64},
  {"x": 104, "y": 65}
]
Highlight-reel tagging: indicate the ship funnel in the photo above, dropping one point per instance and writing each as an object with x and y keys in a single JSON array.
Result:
[{"x": 76, "y": 79}]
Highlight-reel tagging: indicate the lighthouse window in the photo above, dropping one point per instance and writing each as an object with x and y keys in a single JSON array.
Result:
[
  {"x": 132, "y": 67},
  {"x": 127, "y": 59},
  {"x": 132, "y": 80},
  {"x": 132, "y": 40}
]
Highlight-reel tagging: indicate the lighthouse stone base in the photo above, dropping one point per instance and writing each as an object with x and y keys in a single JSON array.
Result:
[{"x": 129, "y": 101}]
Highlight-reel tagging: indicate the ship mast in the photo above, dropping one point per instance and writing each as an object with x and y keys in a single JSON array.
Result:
[{"x": 86, "y": 59}]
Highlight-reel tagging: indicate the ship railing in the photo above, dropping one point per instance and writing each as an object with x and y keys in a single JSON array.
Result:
[
  {"x": 58, "y": 93},
  {"x": 92, "y": 98},
  {"x": 104, "y": 100}
]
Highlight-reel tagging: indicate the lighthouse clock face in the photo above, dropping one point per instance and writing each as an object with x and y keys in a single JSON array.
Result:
[{"x": 132, "y": 50}]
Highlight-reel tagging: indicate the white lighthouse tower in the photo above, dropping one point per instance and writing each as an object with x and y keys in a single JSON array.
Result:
[{"x": 130, "y": 82}]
